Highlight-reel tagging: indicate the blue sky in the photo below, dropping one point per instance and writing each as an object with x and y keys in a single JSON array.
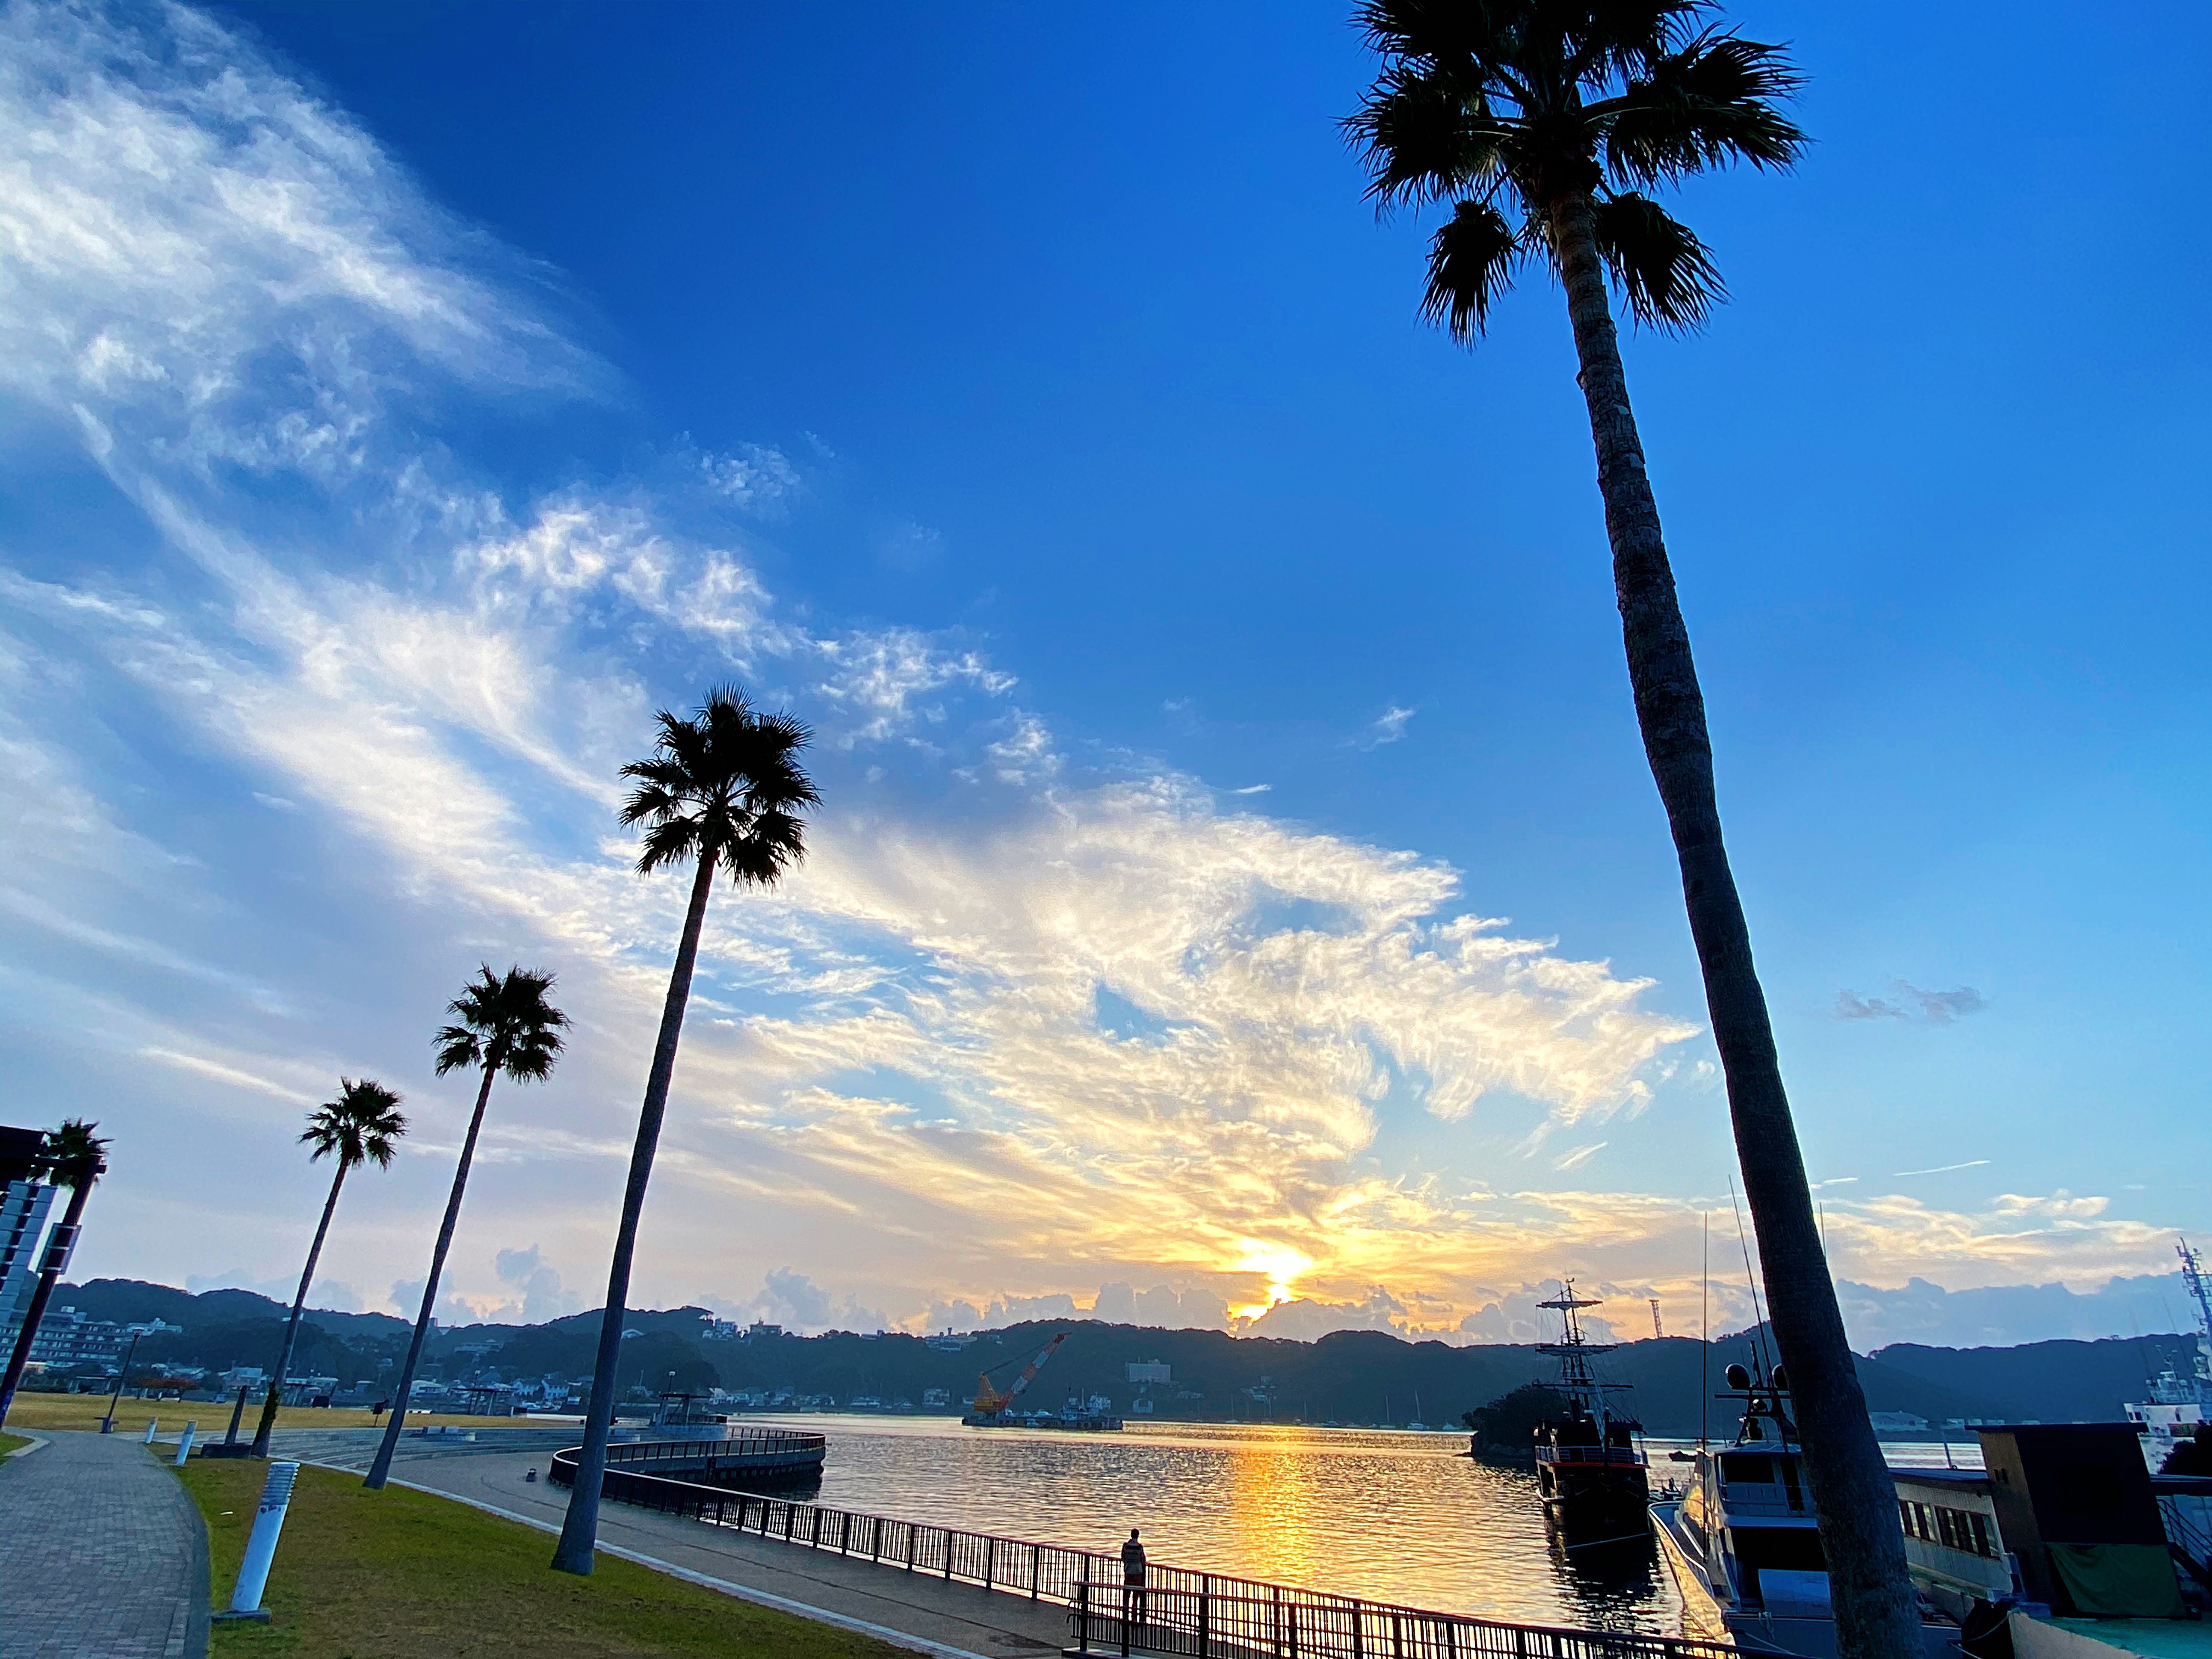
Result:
[{"x": 405, "y": 400}]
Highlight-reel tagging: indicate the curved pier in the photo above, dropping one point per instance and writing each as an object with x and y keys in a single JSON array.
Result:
[{"x": 656, "y": 1472}]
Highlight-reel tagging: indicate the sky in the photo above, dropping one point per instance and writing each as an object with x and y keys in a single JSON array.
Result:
[{"x": 1239, "y": 895}]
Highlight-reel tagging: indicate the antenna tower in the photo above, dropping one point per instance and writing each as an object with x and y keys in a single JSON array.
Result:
[{"x": 1657, "y": 1329}]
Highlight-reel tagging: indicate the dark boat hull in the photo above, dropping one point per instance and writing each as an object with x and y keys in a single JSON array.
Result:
[{"x": 1581, "y": 1495}]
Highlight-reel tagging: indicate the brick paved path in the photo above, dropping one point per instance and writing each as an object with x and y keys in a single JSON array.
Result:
[{"x": 101, "y": 1554}]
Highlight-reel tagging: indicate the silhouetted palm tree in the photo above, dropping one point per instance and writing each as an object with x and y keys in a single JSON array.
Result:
[
  {"x": 506, "y": 1025},
  {"x": 723, "y": 788},
  {"x": 362, "y": 1126},
  {"x": 71, "y": 1157},
  {"x": 1543, "y": 123}
]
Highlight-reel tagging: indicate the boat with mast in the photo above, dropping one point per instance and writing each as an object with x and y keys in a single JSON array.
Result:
[
  {"x": 1590, "y": 1469},
  {"x": 2179, "y": 1406}
]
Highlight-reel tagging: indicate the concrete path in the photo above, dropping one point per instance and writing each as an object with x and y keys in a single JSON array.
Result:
[
  {"x": 102, "y": 1556},
  {"x": 951, "y": 1619}
]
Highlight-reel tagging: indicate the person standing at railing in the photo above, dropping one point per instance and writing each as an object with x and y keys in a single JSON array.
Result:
[{"x": 1133, "y": 1579}]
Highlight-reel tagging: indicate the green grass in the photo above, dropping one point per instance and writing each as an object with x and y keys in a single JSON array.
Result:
[
  {"x": 9, "y": 1442},
  {"x": 402, "y": 1573}
]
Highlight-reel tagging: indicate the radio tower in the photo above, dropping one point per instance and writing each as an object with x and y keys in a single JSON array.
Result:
[{"x": 1657, "y": 1329}]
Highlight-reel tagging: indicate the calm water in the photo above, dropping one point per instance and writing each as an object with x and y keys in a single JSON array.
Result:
[{"x": 1395, "y": 1517}]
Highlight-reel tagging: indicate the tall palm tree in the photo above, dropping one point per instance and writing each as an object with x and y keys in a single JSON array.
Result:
[
  {"x": 1542, "y": 123},
  {"x": 363, "y": 1124},
  {"x": 506, "y": 1025},
  {"x": 72, "y": 1157},
  {"x": 723, "y": 788}
]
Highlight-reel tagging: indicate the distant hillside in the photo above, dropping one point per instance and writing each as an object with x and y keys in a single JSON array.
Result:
[
  {"x": 2050, "y": 1381},
  {"x": 1349, "y": 1376}
]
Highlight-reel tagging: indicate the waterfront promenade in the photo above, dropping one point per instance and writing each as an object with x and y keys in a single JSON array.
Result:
[
  {"x": 908, "y": 1610},
  {"x": 102, "y": 1556}
]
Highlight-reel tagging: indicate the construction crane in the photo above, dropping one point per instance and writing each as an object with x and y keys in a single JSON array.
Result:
[{"x": 989, "y": 1401}]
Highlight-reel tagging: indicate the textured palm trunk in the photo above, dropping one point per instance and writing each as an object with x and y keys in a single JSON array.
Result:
[
  {"x": 380, "y": 1470},
  {"x": 292, "y": 1325},
  {"x": 579, "y": 1530},
  {"x": 1875, "y": 1614},
  {"x": 42, "y": 1293}
]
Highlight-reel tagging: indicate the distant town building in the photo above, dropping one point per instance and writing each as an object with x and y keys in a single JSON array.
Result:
[
  {"x": 935, "y": 1397},
  {"x": 67, "y": 1338},
  {"x": 1149, "y": 1370},
  {"x": 1897, "y": 1423}
]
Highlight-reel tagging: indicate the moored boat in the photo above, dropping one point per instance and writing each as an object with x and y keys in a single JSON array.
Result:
[
  {"x": 1590, "y": 1471},
  {"x": 1743, "y": 1543}
]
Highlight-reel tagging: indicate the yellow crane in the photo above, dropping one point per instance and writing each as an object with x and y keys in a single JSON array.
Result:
[{"x": 989, "y": 1401}]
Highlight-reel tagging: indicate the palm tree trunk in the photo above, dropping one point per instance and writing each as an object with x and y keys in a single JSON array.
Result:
[
  {"x": 1875, "y": 1614},
  {"x": 380, "y": 1470},
  {"x": 579, "y": 1530},
  {"x": 292, "y": 1325},
  {"x": 42, "y": 1293}
]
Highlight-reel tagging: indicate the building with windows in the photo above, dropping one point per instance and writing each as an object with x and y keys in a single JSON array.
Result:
[
  {"x": 67, "y": 1339},
  {"x": 24, "y": 1205}
]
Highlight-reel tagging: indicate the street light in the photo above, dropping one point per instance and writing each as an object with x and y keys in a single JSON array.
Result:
[{"x": 108, "y": 1422}]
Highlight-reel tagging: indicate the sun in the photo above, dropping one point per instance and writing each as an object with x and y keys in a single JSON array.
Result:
[{"x": 1283, "y": 1266}]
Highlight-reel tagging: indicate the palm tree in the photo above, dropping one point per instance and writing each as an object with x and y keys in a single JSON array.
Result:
[
  {"x": 362, "y": 1126},
  {"x": 723, "y": 788},
  {"x": 1542, "y": 123},
  {"x": 72, "y": 1157},
  {"x": 506, "y": 1025}
]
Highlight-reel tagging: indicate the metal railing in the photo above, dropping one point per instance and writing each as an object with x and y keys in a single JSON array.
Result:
[
  {"x": 1177, "y": 1611},
  {"x": 770, "y": 1457}
]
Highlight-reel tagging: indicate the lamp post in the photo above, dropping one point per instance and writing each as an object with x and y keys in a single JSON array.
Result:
[{"x": 108, "y": 1422}]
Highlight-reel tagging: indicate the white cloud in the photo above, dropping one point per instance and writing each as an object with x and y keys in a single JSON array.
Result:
[{"x": 1389, "y": 726}]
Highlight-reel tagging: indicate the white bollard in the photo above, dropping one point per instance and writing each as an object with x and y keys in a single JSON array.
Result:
[
  {"x": 152, "y": 1424},
  {"x": 261, "y": 1545},
  {"x": 185, "y": 1444}
]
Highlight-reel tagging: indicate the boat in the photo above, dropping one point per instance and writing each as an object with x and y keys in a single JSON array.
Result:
[
  {"x": 995, "y": 1409},
  {"x": 2179, "y": 1406},
  {"x": 1589, "y": 1470},
  {"x": 1743, "y": 1540}
]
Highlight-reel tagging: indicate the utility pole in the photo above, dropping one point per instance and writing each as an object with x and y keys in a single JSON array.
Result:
[{"x": 108, "y": 1422}]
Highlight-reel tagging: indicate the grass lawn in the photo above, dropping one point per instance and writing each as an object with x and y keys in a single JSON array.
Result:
[
  {"x": 9, "y": 1442},
  {"x": 402, "y": 1573},
  {"x": 84, "y": 1411}
]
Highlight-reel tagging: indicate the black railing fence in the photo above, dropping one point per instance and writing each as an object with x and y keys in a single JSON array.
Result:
[
  {"x": 1178, "y": 1610},
  {"x": 743, "y": 1455}
]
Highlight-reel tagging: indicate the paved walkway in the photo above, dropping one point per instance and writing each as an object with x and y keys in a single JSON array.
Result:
[
  {"x": 958, "y": 1619},
  {"x": 101, "y": 1554}
]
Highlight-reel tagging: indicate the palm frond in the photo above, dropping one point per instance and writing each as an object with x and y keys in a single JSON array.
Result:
[
  {"x": 1710, "y": 105},
  {"x": 457, "y": 1046},
  {"x": 1425, "y": 136},
  {"x": 1665, "y": 272},
  {"x": 771, "y": 844},
  {"x": 1618, "y": 38},
  {"x": 671, "y": 841},
  {"x": 1470, "y": 261}
]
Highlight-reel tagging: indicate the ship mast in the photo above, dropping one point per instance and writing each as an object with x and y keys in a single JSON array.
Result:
[
  {"x": 1573, "y": 1352},
  {"x": 2193, "y": 1275}
]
